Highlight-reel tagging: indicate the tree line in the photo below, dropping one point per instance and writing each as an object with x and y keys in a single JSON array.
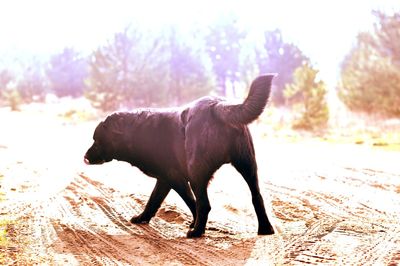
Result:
[
  {"x": 138, "y": 68},
  {"x": 370, "y": 74}
]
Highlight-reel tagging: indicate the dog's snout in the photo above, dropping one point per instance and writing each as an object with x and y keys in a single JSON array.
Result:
[{"x": 85, "y": 160}]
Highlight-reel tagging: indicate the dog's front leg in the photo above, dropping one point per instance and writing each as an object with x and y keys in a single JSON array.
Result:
[{"x": 158, "y": 195}]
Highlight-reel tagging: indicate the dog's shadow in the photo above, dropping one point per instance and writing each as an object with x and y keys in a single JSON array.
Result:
[{"x": 104, "y": 235}]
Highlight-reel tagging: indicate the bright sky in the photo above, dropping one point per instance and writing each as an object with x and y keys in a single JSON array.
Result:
[{"x": 324, "y": 30}]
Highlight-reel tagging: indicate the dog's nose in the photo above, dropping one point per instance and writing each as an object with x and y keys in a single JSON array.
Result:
[{"x": 86, "y": 161}]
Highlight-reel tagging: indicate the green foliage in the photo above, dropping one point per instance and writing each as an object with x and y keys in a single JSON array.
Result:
[
  {"x": 139, "y": 68},
  {"x": 278, "y": 56},
  {"x": 122, "y": 70},
  {"x": 226, "y": 49},
  {"x": 13, "y": 99},
  {"x": 190, "y": 69},
  {"x": 9, "y": 96},
  {"x": 307, "y": 95},
  {"x": 136, "y": 69},
  {"x": 66, "y": 73},
  {"x": 5, "y": 78},
  {"x": 370, "y": 75},
  {"x": 32, "y": 85}
]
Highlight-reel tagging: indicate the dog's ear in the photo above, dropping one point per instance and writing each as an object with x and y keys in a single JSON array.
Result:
[
  {"x": 118, "y": 126},
  {"x": 184, "y": 116},
  {"x": 114, "y": 124}
]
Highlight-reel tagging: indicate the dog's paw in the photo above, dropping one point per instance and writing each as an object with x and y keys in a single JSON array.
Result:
[
  {"x": 191, "y": 225},
  {"x": 139, "y": 220},
  {"x": 266, "y": 231},
  {"x": 192, "y": 233}
]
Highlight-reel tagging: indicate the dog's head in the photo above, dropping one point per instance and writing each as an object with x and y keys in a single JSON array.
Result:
[
  {"x": 99, "y": 152},
  {"x": 105, "y": 136}
]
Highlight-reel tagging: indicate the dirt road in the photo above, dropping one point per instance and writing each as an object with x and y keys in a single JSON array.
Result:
[{"x": 332, "y": 204}]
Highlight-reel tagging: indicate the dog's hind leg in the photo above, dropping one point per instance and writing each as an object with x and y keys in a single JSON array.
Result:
[
  {"x": 203, "y": 206},
  {"x": 183, "y": 190},
  {"x": 158, "y": 195},
  {"x": 247, "y": 167}
]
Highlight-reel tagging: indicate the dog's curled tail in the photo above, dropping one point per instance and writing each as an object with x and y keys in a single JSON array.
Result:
[{"x": 252, "y": 107}]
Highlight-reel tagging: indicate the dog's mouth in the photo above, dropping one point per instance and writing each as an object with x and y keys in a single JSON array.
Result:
[{"x": 87, "y": 162}]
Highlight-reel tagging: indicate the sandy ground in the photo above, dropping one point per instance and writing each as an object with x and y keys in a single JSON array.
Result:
[{"x": 332, "y": 204}]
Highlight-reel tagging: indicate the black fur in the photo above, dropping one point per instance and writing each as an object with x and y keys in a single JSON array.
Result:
[{"x": 183, "y": 148}]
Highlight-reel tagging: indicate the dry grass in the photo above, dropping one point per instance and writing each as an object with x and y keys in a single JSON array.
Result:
[
  {"x": 345, "y": 127},
  {"x": 3, "y": 225}
]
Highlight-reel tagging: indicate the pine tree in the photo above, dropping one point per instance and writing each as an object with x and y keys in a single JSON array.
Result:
[
  {"x": 190, "y": 69},
  {"x": 143, "y": 70},
  {"x": 6, "y": 77},
  {"x": 33, "y": 85},
  {"x": 279, "y": 56},
  {"x": 225, "y": 48},
  {"x": 126, "y": 72},
  {"x": 66, "y": 73},
  {"x": 9, "y": 95},
  {"x": 370, "y": 75},
  {"x": 307, "y": 95}
]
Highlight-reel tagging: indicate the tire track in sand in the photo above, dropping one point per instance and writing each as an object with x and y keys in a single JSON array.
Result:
[
  {"x": 158, "y": 232},
  {"x": 87, "y": 223},
  {"x": 340, "y": 226},
  {"x": 94, "y": 229}
]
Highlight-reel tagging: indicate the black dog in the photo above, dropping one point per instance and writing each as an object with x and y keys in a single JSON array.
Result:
[{"x": 183, "y": 148}]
